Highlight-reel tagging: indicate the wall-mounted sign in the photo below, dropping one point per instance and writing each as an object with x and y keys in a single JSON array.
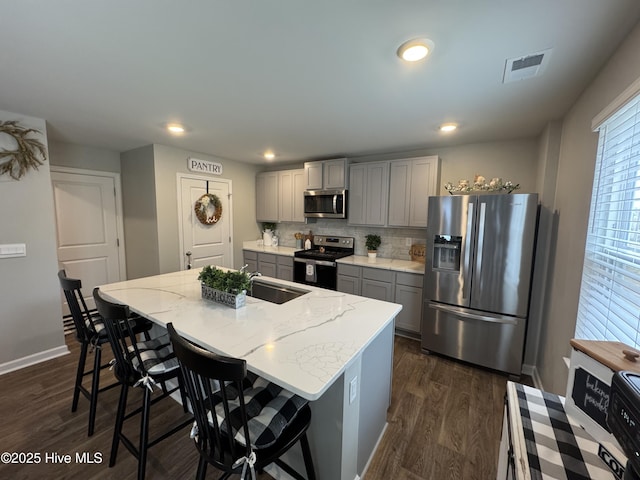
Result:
[{"x": 204, "y": 166}]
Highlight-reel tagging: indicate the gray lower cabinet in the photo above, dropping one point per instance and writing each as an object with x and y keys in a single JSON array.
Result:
[
  {"x": 409, "y": 295},
  {"x": 269, "y": 264},
  {"x": 390, "y": 286},
  {"x": 250, "y": 260},
  {"x": 349, "y": 279},
  {"x": 284, "y": 268},
  {"x": 378, "y": 284}
]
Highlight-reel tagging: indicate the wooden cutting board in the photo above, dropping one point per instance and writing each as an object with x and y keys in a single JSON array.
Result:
[{"x": 609, "y": 354}]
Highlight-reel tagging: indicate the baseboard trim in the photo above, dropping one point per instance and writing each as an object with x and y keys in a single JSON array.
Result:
[
  {"x": 373, "y": 452},
  {"x": 532, "y": 371},
  {"x": 29, "y": 360}
]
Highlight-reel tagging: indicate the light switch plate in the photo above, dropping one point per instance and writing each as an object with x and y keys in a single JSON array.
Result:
[{"x": 11, "y": 250}]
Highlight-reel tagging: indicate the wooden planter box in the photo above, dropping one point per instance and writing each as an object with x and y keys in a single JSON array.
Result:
[{"x": 228, "y": 299}]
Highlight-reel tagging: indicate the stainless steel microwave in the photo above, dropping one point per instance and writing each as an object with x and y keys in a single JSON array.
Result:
[{"x": 325, "y": 204}]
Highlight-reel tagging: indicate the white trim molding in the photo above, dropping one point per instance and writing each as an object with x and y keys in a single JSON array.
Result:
[
  {"x": 630, "y": 92},
  {"x": 532, "y": 371},
  {"x": 29, "y": 360}
]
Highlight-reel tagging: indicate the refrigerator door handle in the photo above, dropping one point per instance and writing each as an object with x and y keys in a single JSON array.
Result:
[
  {"x": 466, "y": 254},
  {"x": 481, "y": 225},
  {"x": 464, "y": 313}
]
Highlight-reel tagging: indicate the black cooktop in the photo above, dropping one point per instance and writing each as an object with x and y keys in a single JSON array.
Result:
[
  {"x": 316, "y": 253},
  {"x": 328, "y": 248}
]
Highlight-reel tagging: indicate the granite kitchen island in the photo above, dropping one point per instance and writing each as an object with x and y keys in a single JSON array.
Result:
[{"x": 331, "y": 348}]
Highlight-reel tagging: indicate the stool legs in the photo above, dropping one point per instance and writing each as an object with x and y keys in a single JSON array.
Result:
[
  {"x": 306, "y": 455},
  {"x": 79, "y": 375},
  {"x": 117, "y": 430},
  {"x": 95, "y": 387},
  {"x": 144, "y": 434}
]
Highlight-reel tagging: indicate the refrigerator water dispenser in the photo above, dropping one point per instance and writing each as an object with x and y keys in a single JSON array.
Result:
[{"x": 446, "y": 253}]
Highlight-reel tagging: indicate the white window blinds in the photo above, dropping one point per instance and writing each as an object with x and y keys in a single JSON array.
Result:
[{"x": 609, "y": 307}]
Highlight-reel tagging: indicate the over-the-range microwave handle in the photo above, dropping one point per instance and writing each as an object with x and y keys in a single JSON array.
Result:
[
  {"x": 464, "y": 313},
  {"x": 466, "y": 253},
  {"x": 335, "y": 204}
]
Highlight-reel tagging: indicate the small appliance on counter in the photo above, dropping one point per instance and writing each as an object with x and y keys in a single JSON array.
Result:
[
  {"x": 592, "y": 366},
  {"x": 317, "y": 265},
  {"x": 623, "y": 419}
]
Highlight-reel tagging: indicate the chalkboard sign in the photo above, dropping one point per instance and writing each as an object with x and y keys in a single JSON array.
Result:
[{"x": 591, "y": 395}]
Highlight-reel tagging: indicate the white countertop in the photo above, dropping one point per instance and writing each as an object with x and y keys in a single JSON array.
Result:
[
  {"x": 303, "y": 345},
  {"x": 279, "y": 250},
  {"x": 357, "y": 260},
  {"x": 384, "y": 263}
]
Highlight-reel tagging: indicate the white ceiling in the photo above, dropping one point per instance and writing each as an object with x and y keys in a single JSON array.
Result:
[{"x": 308, "y": 79}]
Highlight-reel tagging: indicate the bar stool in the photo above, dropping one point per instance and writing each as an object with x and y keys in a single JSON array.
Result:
[
  {"x": 91, "y": 335},
  {"x": 242, "y": 422},
  {"x": 138, "y": 364}
]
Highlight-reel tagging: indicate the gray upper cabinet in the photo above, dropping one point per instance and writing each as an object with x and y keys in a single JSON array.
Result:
[
  {"x": 291, "y": 186},
  {"x": 326, "y": 174},
  {"x": 280, "y": 196},
  {"x": 267, "y": 197},
  {"x": 411, "y": 182},
  {"x": 368, "y": 193}
]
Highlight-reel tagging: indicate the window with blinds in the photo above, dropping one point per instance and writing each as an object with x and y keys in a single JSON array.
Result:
[{"x": 609, "y": 307}]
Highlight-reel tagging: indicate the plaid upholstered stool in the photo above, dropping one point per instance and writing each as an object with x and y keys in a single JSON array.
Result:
[
  {"x": 242, "y": 422},
  {"x": 138, "y": 364}
]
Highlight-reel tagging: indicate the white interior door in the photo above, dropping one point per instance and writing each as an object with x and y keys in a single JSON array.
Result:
[
  {"x": 88, "y": 226},
  {"x": 209, "y": 244}
]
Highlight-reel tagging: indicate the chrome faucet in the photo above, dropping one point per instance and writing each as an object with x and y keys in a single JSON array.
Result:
[{"x": 254, "y": 275}]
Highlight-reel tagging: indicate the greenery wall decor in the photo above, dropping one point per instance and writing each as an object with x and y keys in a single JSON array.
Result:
[{"x": 29, "y": 152}]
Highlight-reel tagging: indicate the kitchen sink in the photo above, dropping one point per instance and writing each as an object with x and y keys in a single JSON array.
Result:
[{"x": 274, "y": 292}]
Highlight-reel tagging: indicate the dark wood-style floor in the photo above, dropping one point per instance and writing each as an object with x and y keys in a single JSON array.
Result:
[{"x": 444, "y": 423}]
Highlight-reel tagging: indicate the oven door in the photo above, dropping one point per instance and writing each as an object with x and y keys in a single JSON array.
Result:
[{"x": 319, "y": 273}]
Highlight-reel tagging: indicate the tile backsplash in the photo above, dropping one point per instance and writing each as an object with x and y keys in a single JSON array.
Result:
[{"x": 394, "y": 240}]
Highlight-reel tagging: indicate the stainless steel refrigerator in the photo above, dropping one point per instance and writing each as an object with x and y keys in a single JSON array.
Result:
[{"x": 479, "y": 260}]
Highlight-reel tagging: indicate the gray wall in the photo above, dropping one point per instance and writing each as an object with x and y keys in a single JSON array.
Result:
[
  {"x": 30, "y": 310},
  {"x": 149, "y": 184},
  {"x": 572, "y": 200},
  {"x": 169, "y": 162},
  {"x": 139, "y": 212},
  {"x": 80, "y": 156}
]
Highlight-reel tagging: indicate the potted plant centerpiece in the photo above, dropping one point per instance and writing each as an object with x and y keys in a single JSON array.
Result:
[
  {"x": 226, "y": 287},
  {"x": 372, "y": 242},
  {"x": 268, "y": 230}
]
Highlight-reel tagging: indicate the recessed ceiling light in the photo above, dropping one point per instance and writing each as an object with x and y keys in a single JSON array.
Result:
[
  {"x": 416, "y": 49},
  {"x": 269, "y": 155},
  {"x": 175, "y": 128},
  {"x": 448, "y": 127}
]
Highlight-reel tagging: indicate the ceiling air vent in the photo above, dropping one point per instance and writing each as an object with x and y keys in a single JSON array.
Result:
[{"x": 529, "y": 66}]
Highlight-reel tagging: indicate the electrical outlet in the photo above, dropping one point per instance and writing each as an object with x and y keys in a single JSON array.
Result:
[
  {"x": 408, "y": 241},
  {"x": 353, "y": 389}
]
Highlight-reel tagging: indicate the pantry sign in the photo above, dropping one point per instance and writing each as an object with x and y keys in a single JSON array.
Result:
[{"x": 204, "y": 166}]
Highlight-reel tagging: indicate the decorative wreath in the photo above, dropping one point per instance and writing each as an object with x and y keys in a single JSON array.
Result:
[
  {"x": 208, "y": 209},
  {"x": 30, "y": 152}
]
